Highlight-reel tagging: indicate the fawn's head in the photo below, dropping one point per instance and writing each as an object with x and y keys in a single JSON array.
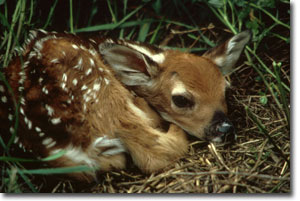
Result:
[{"x": 185, "y": 89}]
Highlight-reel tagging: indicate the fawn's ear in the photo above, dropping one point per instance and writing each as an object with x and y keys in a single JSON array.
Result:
[
  {"x": 132, "y": 67},
  {"x": 228, "y": 53}
]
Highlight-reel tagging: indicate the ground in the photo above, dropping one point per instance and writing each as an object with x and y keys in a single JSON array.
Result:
[{"x": 258, "y": 98}]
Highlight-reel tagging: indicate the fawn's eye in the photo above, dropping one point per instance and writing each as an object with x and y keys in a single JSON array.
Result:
[{"x": 181, "y": 101}]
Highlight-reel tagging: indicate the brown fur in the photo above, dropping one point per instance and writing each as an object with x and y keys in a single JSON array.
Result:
[
  {"x": 201, "y": 78},
  {"x": 150, "y": 147},
  {"x": 73, "y": 97}
]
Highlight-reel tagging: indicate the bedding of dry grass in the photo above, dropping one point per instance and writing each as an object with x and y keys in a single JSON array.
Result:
[
  {"x": 259, "y": 160},
  {"x": 251, "y": 165}
]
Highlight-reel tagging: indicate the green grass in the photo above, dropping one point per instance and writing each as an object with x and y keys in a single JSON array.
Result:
[{"x": 261, "y": 109}]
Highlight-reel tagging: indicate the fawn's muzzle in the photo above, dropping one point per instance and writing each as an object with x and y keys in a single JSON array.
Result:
[{"x": 220, "y": 129}]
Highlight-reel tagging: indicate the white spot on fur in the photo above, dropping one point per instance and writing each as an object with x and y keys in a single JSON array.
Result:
[
  {"x": 22, "y": 101},
  {"x": 94, "y": 95},
  {"x": 32, "y": 34},
  {"x": 96, "y": 86},
  {"x": 47, "y": 141},
  {"x": 41, "y": 134},
  {"x": 84, "y": 87},
  {"x": 26, "y": 120},
  {"x": 88, "y": 91},
  {"x": 54, "y": 61},
  {"x": 39, "y": 46},
  {"x": 56, "y": 121},
  {"x": 10, "y": 117},
  {"x": 50, "y": 145},
  {"x": 64, "y": 77},
  {"x": 43, "y": 31},
  {"x": 25, "y": 64},
  {"x": 49, "y": 109},
  {"x": 75, "y": 46},
  {"x": 82, "y": 47},
  {"x": 45, "y": 90},
  {"x": 93, "y": 52},
  {"x": 11, "y": 130},
  {"x": 106, "y": 81},
  {"x": 2, "y": 89},
  {"x": 63, "y": 86},
  {"x": 89, "y": 71},
  {"x": 21, "y": 81},
  {"x": 75, "y": 81},
  {"x": 109, "y": 40},
  {"x": 178, "y": 88},
  {"x": 41, "y": 80},
  {"x": 21, "y": 89},
  {"x": 4, "y": 99},
  {"x": 87, "y": 99},
  {"x": 79, "y": 64},
  {"x": 22, "y": 111},
  {"x": 92, "y": 40},
  {"x": 92, "y": 62},
  {"x": 32, "y": 54},
  {"x": 37, "y": 129},
  {"x": 16, "y": 139},
  {"x": 29, "y": 124}
]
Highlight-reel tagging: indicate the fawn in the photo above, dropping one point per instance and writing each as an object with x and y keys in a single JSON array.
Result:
[{"x": 98, "y": 99}]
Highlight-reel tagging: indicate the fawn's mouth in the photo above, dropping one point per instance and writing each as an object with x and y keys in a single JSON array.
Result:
[{"x": 220, "y": 132}]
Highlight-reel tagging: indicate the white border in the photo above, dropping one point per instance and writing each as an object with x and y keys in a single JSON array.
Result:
[{"x": 295, "y": 111}]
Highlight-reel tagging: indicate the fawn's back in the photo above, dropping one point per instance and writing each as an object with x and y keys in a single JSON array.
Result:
[{"x": 75, "y": 94}]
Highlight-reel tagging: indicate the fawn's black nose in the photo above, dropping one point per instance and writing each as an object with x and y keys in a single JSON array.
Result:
[{"x": 221, "y": 129}]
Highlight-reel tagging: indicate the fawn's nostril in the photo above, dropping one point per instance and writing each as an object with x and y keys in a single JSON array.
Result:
[
  {"x": 225, "y": 127},
  {"x": 221, "y": 130}
]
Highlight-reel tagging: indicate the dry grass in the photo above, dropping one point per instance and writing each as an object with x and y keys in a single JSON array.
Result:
[{"x": 251, "y": 165}]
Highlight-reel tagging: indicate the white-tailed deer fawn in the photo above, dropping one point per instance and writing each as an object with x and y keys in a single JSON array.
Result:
[{"x": 75, "y": 95}]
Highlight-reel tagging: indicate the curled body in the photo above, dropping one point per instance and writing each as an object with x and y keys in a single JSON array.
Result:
[
  {"x": 76, "y": 94},
  {"x": 70, "y": 100}
]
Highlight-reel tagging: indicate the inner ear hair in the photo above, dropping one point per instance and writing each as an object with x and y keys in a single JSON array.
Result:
[
  {"x": 131, "y": 66},
  {"x": 227, "y": 54}
]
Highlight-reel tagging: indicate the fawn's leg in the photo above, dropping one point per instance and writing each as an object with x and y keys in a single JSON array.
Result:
[{"x": 152, "y": 150}]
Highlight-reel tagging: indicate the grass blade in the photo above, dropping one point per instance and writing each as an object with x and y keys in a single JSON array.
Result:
[
  {"x": 16, "y": 159},
  {"x": 27, "y": 181},
  {"x": 263, "y": 130},
  {"x": 71, "y": 16},
  {"x": 195, "y": 49},
  {"x": 54, "y": 157},
  {"x": 51, "y": 12},
  {"x": 63, "y": 170},
  {"x": 111, "y": 26},
  {"x": 144, "y": 29},
  {"x": 154, "y": 36},
  {"x": 283, "y": 95},
  {"x": 114, "y": 18},
  {"x": 11, "y": 32}
]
